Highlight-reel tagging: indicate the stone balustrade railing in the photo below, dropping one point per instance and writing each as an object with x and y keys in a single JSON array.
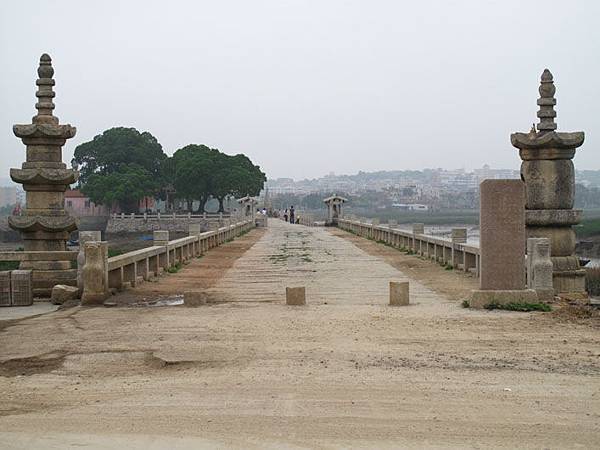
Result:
[
  {"x": 146, "y": 222},
  {"x": 160, "y": 215},
  {"x": 130, "y": 269},
  {"x": 455, "y": 252},
  {"x": 307, "y": 220}
]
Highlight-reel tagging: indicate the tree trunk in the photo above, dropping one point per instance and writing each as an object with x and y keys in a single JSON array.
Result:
[{"x": 221, "y": 204}]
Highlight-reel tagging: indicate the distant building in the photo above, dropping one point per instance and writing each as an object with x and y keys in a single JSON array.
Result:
[
  {"x": 78, "y": 205},
  {"x": 8, "y": 196}
]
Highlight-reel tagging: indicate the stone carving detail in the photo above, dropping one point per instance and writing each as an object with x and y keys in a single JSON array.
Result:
[
  {"x": 45, "y": 225},
  {"x": 541, "y": 269},
  {"x": 549, "y": 176},
  {"x": 84, "y": 236},
  {"x": 95, "y": 274}
]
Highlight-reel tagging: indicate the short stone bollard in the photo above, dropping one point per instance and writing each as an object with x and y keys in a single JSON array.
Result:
[
  {"x": 295, "y": 296},
  {"x": 399, "y": 295},
  {"x": 194, "y": 298}
]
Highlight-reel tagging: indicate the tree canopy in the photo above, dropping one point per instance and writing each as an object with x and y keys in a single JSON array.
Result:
[
  {"x": 118, "y": 147},
  {"x": 201, "y": 172},
  {"x": 126, "y": 186},
  {"x": 123, "y": 166}
]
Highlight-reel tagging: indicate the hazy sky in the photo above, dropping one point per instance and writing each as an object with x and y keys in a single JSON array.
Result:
[{"x": 308, "y": 87}]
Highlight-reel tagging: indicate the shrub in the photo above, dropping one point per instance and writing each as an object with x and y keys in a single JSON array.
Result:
[{"x": 174, "y": 269}]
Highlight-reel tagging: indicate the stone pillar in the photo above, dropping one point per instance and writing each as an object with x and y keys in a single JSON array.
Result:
[
  {"x": 194, "y": 229},
  {"x": 502, "y": 244},
  {"x": 549, "y": 176},
  {"x": 160, "y": 237},
  {"x": 44, "y": 224},
  {"x": 539, "y": 268},
  {"x": 418, "y": 228},
  {"x": 459, "y": 235},
  {"x": 95, "y": 273},
  {"x": 84, "y": 236}
]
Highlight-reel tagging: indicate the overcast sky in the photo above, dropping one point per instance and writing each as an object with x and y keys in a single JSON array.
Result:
[{"x": 308, "y": 87}]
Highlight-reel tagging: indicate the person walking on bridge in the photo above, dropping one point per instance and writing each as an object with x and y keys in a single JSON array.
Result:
[{"x": 292, "y": 214}]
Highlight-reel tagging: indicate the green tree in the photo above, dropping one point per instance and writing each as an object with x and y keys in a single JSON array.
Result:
[
  {"x": 126, "y": 186},
  {"x": 202, "y": 172},
  {"x": 115, "y": 148},
  {"x": 121, "y": 166},
  {"x": 194, "y": 167}
]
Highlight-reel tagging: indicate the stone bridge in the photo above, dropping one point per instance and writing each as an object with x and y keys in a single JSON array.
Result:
[{"x": 345, "y": 370}]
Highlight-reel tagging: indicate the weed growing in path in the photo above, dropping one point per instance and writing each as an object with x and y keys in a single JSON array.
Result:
[{"x": 520, "y": 306}]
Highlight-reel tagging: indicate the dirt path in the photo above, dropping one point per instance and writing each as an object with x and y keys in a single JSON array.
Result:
[
  {"x": 344, "y": 371},
  {"x": 453, "y": 284}
]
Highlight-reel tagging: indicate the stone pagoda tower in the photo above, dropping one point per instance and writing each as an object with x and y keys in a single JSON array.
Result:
[
  {"x": 549, "y": 175},
  {"x": 44, "y": 224}
]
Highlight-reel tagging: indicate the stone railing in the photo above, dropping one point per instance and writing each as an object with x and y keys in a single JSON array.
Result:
[
  {"x": 159, "y": 215},
  {"x": 145, "y": 223},
  {"x": 130, "y": 269},
  {"x": 454, "y": 252}
]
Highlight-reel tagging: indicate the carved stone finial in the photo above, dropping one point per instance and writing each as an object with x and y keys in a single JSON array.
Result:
[
  {"x": 45, "y": 93},
  {"x": 546, "y": 102}
]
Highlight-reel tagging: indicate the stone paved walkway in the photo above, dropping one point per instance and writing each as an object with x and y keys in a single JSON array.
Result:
[{"x": 333, "y": 270}]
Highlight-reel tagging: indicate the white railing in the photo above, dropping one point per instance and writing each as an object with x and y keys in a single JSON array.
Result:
[
  {"x": 139, "y": 265},
  {"x": 159, "y": 215},
  {"x": 445, "y": 251}
]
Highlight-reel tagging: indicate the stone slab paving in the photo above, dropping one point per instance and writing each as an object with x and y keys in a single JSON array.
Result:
[{"x": 333, "y": 270}]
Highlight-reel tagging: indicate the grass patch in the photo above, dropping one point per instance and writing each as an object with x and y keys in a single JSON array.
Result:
[
  {"x": 588, "y": 228},
  {"x": 279, "y": 258},
  {"x": 448, "y": 267},
  {"x": 114, "y": 252},
  {"x": 466, "y": 304},
  {"x": 174, "y": 269},
  {"x": 520, "y": 306},
  {"x": 9, "y": 265}
]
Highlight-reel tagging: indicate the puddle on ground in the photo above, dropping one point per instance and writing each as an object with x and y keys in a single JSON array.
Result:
[{"x": 170, "y": 300}]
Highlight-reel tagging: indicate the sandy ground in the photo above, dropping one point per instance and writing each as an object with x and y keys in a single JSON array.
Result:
[{"x": 344, "y": 371}]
